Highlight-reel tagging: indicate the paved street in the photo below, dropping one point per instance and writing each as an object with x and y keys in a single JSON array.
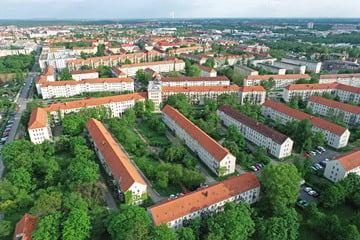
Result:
[{"x": 21, "y": 102}]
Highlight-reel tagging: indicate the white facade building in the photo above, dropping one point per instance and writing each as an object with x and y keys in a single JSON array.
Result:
[
  {"x": 84, "y": 74},
  {"x": 117, "y": 164},
  {"x": 72, "y": 88},
  {"x": 179, "y": 212},
  {"x": 216, "y": 157},
  {"x": 277, "y": 144},
  {"x": 346, "y": 113},
  {"x": 160, "y": 66},
  {"x": 346, "y": 79},
  {"x": 281, "y": 81},
  {"x": 56, "y": 59},
  {"x": 340, "y": 166},
  {"x": 38, "y": 127},
  {"x": 206, "y": 71},
  {"x": 311, "y": 66},
  {"x": 336, "y": 136}
]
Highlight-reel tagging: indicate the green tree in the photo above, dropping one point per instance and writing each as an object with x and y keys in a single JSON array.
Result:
[
  {"x": 140, "y": 74},
  {"x": 48, "y": 227},
  {"x": 180, "y": 102},
  {"x": 163, "y": 232},
  {"x": 65, "y": 75},
  {"x": 85, "y": 67},
  {"x": 46, "y": 203},
  {"x": 281, "y": 185},
  {"x": 127, "y": 61},
  {"x": 82, "y": 170},
  {"x": 77, "y": 225},
  {"x": 192, "y": 178},
  {"x": 5, "y": 228},
  {"x": 194, "y": 72},
  {"x": 128, "y": 118},
  {"x": 104, "y": 71},
  {"x": 234, "y": 223},
  {"x": 209, "y": 63},
  {"x": 318, "y": 139},
  {"x": 333, "y": 196},
  {"x": 21, "y": 178},
  {"x": 185, "y": 233},
  {"x": 268, "y": 84},
  {"x": 131, "y": 222},
  {"x": 174, "y": 74}
]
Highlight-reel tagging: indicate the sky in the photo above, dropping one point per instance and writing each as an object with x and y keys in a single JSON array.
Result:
[{"x": 135, "y": 9}]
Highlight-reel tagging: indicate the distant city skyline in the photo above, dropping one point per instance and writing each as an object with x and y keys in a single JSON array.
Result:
[{"x": 115, "y": 9}]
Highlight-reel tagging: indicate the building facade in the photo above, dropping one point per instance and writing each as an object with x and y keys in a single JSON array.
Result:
[
  {"x": 346, "y": 113},
  {"x": 84, "y": 74},
  {"x": 39, "y": 127},
  {"x": 340, "y": 166},
  {"x": 179, "y": 212},
  {"x": 277, "y": 144},
  {"x": 336, "y": 136},
  {"x": 281, "y": 81},
  {"x": 216, "y": 157},
  {"x": 311, "y": 66}
]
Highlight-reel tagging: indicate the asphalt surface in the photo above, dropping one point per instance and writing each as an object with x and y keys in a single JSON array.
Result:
[{"x": 21, "y": 102}]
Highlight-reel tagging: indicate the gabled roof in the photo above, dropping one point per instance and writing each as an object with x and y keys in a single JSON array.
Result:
[
  {"x": 349, "y": 160},
  {"x": 95, "y": 101},
  {"x": 209, "y": 144},
  {"x": 252, "y": 89},
  {"x": 335, "y": 104},
  {"x": 144, "y": 64},
  {"x": 120, "y": 166},
  {"x": 83, "y": 71},
  {"x": 87, "y": 81},
  {"x": 26, "y": 226},
  {"x": 38, "y": 119},
  {"x": 348, "y": 88},
  {"x": 318, "y": 122},
  {"x": 336, "y": 76},
  {"x": 202, "y": 198},
  {"x": 202, "y": 89},
  {"x": 205, "y": 69},
  {"x": 256, "y": 126},
  {"x": 316, "y": 86},
  {"x": 287, "y": 76}
]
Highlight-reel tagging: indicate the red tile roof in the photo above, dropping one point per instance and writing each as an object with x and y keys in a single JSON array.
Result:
[
  {"x": 252, "y": 89},
  {"x": 348, "y": 88},
  {"x": 335, "y": 76},
  {"x": 209, "y": 144},
  {"x": 318, "y": 122},
  {"x": 118, "y": 71},
  {"x": 335, "y": 104},
  {"x": 231, "y": 88},
  {"x": 84, "y": 71},
  {"x": 316, "y": 86},
  {"x": 287, "y": 76},
  {"x": 349, "y": 160},
  {"x": 202, "y": 198},
  {"x": 95, "y": 101},
  {"x": 194, "y": 79},
  {"x": 38, "y": 119},
  {"x": 26, "y": 226},
  {"x": 206, "y": 69},
  {"x": 256, "y": 126},
  {"x": 115, "y": 158}
]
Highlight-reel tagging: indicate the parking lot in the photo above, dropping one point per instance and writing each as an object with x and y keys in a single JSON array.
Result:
[{"x": 327, "y": 154}]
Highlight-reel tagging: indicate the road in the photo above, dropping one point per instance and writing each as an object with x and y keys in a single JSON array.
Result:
[{"x": 21, "y": 102}]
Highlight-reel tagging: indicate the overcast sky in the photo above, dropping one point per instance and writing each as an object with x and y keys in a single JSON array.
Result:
[{"x": 120, "y": 9}]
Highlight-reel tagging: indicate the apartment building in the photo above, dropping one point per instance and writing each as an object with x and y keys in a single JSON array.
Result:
[
  {"x": 206, "y": 71},
  {"x": 159, "y": 66},
  {"x": 346, "y": 93},
  {"x": 346, "y": 79},
  {"x": 179, "y": 212},
  {"x": 25, "y": 227},
  {"x": 56, "y": 59},
  {"x": 304, "y": 91},
  {"x": 199, "y": 94},
  {"x": 116, "y": 163},
  {"x": 273, "y": 69},
  {"x": 245, "y": 71},
  {"x": 113, "y": 60},
  {"x": 311, "y": 66},
  {"x": 194, "y": 81},
  {"x": 72, "y": 88},
  {"x": 340, "y": 166},
  {"x": 215, "y": 156},
  {"x": 336, "y": 136},
  {"x": 189, "y": 50},
  {"x": 276, "y": 143},
  {"x": 346, "y": 113},
  {"x": 281, "y": 81},
  {"x": 115, "y": 72},
  {"x": 39, "y": 127},
  {"x": 196, "y": 58},
  {"x": 90, "y": 50},
  {"x": 116, "y": 105},
  {"x": 296, "y": 68},
  {"x": 84, "y": 74}
]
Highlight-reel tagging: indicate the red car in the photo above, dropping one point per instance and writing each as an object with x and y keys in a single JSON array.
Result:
[{"x": 306, "y": 154}]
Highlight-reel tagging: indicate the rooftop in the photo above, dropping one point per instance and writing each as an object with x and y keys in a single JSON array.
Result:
[
  {"x": 209, "y": 144},
  {"x": 229, "y": 88},
  {"x": 349, "y": 160},
  {"x": 38, "y": 119},
  {"x": 115, "y": 158},
  {"x": 287, "y": 76},
  {"x": 335, "y": 104},
  {"x": 26, "y": 226},
  {"x": 202, "y": 198}
]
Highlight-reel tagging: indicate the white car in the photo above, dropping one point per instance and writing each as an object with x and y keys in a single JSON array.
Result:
[{"x": 308, "y": 189}]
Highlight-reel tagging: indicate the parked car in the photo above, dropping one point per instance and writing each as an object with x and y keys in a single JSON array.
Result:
[
  {"x": 254, "y": 168},
  {"x": 308, "y": 189},
  {"x": 321, "y": 148},
  {"x": 302, "y": 202},
  {"x": 318, "y": 166},
  {"x": 307, "y": 154},
  {"x": 323, "y": 163},
  {"x": 312, "y": 153}
]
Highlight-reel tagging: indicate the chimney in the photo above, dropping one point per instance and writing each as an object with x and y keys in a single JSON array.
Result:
[{"x": 206, "y": 193}]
